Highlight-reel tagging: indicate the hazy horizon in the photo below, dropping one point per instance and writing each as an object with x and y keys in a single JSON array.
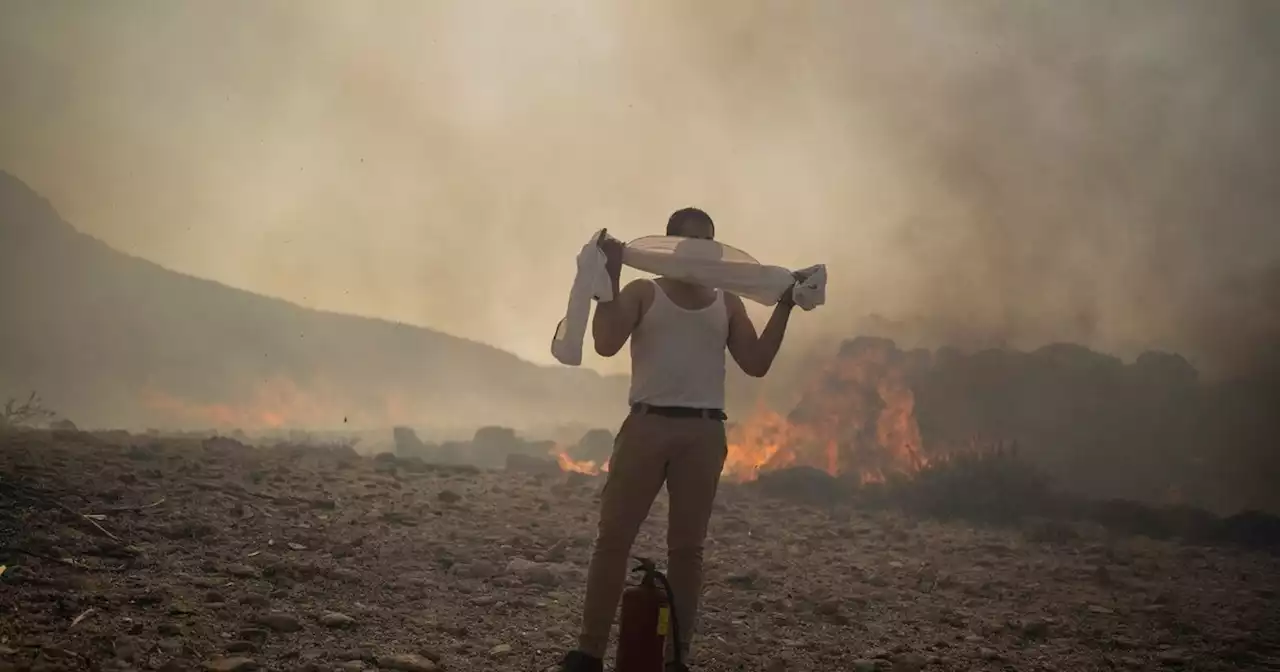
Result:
[{"x": 1098, "y": 172}]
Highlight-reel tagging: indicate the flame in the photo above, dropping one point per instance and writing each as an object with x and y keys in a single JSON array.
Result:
[
  {"x": 275, "y": 403},
  {"x": 568, "y": 464},
  {"x": 855, "y": 418}
]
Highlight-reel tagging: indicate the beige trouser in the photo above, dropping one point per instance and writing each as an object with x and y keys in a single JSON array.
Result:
[{"x": 686, "y": 453}]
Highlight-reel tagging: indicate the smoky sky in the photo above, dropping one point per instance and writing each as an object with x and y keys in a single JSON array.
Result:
[{"x": 1013, "y": 172}]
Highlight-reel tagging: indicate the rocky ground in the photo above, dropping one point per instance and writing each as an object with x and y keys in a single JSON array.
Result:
[{"x": 134, "y": 553}]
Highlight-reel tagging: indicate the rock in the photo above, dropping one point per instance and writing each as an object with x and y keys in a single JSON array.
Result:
[
  {"x": 828, "y": 607},
  {"x": 780, "y": 665},
  {"x": 1100, "y": 610},
  {"x": 63, "y": 425},
  {"x": 336, "y": 619},
  {"x": 407, "y": 442},
  {"x": 280, "y": 622},
  {"x": 864, "y": 665},
  {"x": 242, "y": 646},
  {"x": 532, "y": 572},
  {"x": 407, "y": 662},
  {"x": 253, "y": 634},
  {"x": 478, "y": 570},
  {"x": 240, "y": 571},
  {"x": 557, "y": 551},
  {"x": 171, "y": 647},
  {"x": 449, "y": 496},
  {"x": 230, "y": 665},
  {"x": 1035, "y": 628},
  {"x": 500, "y": 650},
  {"x": 908, "y": 662},
  {"x": 1172, "y": 657}
]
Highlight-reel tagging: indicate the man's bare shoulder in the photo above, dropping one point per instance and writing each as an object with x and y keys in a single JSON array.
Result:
[
  {"x": 734, "y": 303},
  {"x": 639, "y": 290}
]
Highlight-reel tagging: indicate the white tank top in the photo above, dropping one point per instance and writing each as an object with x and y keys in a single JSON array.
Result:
[{"x": 678, "y": 355}]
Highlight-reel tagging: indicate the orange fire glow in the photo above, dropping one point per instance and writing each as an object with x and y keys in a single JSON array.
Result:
[
  {"x": 856, "y": 418},
  {"x": 567, "y": 463},
  {"x": 274, "y": 403}
]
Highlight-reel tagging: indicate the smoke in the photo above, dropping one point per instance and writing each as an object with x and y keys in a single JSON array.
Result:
[{"x": 1099, "y": 172}]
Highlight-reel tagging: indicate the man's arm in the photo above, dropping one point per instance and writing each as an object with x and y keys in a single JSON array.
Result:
[
  {"x": 755, "y": 354},
  {"x": 614, "y": 321}
]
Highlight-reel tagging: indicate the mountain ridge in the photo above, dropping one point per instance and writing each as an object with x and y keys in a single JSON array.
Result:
[{"x": 101, "y": 321}]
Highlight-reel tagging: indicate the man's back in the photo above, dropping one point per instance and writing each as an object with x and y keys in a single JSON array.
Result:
[{"x": 678, "y": 348}]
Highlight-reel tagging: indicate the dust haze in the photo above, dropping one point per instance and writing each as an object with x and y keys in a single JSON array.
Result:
[{"x": 985, "y": 172}]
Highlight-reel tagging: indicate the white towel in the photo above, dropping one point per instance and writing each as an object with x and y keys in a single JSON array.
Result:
[{"x": 704, "y": 262}]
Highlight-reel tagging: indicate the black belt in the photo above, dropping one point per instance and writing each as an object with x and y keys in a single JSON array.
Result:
[{"x": 679, "y": 412}]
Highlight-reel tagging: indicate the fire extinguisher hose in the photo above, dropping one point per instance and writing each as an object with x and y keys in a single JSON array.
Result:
[
  {"x": 675, "y": 619},
  {"x": 650, "y": 569}
]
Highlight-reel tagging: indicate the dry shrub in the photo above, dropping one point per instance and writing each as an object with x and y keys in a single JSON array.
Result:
[
  {"x": 29, "y": 413},
  {"x": 994, "y": 485}
]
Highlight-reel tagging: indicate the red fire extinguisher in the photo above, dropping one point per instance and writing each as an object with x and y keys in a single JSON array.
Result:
[{"x": 647, "y": 618}]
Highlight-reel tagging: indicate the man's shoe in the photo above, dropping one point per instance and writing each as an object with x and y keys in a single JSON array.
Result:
[
  {"x": 577, "y": 661},
  {"x": 677, "y": 667}
]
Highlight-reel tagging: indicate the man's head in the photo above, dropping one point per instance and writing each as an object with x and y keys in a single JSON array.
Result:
[{"x": 691, "y": 223}]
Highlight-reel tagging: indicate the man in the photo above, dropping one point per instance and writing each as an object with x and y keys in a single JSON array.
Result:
[{"x": 675, "y": 432}]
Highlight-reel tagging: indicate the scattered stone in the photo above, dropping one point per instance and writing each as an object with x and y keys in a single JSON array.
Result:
[
  {"x": 478, "y": 570},
  {"x": 407, "y": 662},
  {"x": 532, "y": 572},
  {"x": 240, "y": 571},
  {"x": 337, "y": 620},
  {"x": 230, "y": 665},
  {"x": 909, "y": 662},
  {"x": 172, "y": 647},
  {"x": 253, "y": 634},
  {"x": 242, "y": 646},
  {"x": 448, "y": 496},
  {"x": 280, "y": 622},
  {"x": 828, "y": 607},
  {"x": 1035, "y": 628},
  {"x": 500, "y": 650}
]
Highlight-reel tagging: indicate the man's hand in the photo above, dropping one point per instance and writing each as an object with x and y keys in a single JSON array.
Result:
[
  {"x": 788, "y": 297},
  {"x": 612, "y": 248}
]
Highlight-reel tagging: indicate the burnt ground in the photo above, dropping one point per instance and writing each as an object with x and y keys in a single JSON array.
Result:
[{"x": 229, "y": 557}]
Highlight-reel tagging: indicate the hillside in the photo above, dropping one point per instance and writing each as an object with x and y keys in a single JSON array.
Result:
[{"x": 113, "y": 340}]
